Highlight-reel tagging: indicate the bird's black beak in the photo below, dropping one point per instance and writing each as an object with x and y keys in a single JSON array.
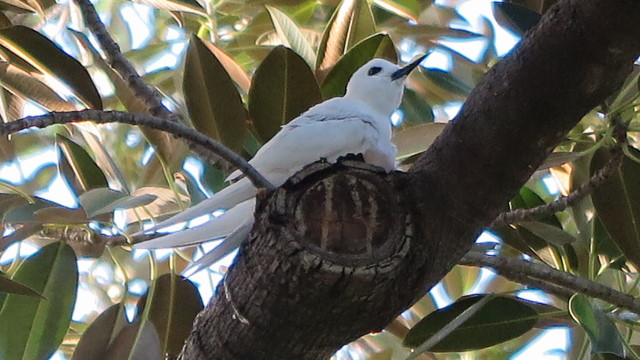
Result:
[{"x": 400, "y": 73}]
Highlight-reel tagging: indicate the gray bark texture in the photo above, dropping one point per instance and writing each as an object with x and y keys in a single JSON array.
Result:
[{"x": 339, "y": 251}]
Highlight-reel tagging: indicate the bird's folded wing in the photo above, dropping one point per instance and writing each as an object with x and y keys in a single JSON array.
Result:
[{"x": 216, "y": 228}]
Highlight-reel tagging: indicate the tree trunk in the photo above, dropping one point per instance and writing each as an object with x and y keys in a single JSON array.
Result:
[{"x": 339, "y": 251}]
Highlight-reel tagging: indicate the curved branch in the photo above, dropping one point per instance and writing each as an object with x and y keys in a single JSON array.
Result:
[
  {"x": 521, "y": 271},
  {"x": 120, "y": 63},
  {"x": 172, "y": 127}
]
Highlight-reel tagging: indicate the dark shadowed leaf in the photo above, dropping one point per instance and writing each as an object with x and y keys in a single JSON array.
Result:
[
  {"x": 26, "y": 213},
  {"x": 9, "y": 286},
  {"x": 550, "y": 233},
  {"x": 291, "y": 36},
  {"x": 175, "y": 302},
  {"x": 212, "y": 98},
  {"x": 447, "y": 81},
  {"x": 61, "y": 215},
  {"x": 416, "y": 110},
  {"x": 351, "y": 23},
  {"x": 136, "y": 341},
  {"x": 96, "y": 339},
  {"x": 501, "y": 319},
  {"x": 416, "y": 139},
  {"x": 47, "y": 57},
  {"x": 32, "y": 327},
  {"x": 234, "y": 69},
  {"x": 283, "y": 87},
  {"x": 604, "y": 336},
  {"x": 78, "y": 167},
  {"x": 617, "y": 202},
  {"x": 379, "y": 45},
  {"x": 104, "y": 200},
  {"x": 515, "y": 17},
  {"x": 558, "y": 158}
]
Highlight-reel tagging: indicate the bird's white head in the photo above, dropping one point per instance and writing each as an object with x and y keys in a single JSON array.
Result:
[{"x": 380, "y": 84}]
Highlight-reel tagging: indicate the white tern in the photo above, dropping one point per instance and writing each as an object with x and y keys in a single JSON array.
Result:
[{"x": 357, "y": 123}]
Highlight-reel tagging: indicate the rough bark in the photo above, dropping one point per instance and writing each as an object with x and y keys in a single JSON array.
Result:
[{"x": 305, "y": 285}]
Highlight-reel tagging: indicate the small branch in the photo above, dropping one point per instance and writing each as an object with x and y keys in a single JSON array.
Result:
[
  {"x": 541, "y": 275},
  {"x": 120, "y": 63},
  {"x": 560, "y": 204},
  {"x": 175, "y": 128}
]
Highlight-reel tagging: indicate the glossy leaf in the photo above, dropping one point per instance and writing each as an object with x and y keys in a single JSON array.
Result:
[
  {"x": 291, "y": 35},
  {"x": 47, "y": 57},
  {"x": 407, "y": 9},
  {"x": 232, "y": 67},
  {"x": 416, "y": 139},
  {"x": 515, "y": 17},
  {"x": 24, "y": 84},
  {"x": 136, "y": 341},
  {"x": 617, "y": 203},
  {"x": 351, "y": 23},
  {"x": 96, "y": 339},
  {"x": 189, "y": 6},
  {"x": 175, "y": 302},
  {"x": 501, "y": 319},
  {"x": 213, "y": 101},
  {"x": 33, "y": 328},
  {"x": 379, "y": 45},
  {"x": 9, "y": 286},
  {"x": 283, "y": 87},
  {"x": 104, "y": 200},
  {"x": 164, "y": 204},
  {"x": 17, "y": 6},
  {"x": 549, "y": 233},
  {"x": 604, "y": 336},
  {"x": 85, "y": 174}
]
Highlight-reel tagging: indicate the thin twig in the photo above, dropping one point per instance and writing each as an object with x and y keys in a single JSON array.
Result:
[
  {"x": 117, "y": 61},
  {"x": 520, "y": 271},
  {"x": 149, "y": 121}
]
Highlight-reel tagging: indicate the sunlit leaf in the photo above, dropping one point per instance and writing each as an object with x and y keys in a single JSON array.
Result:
[
  {"x": 98, "y": 336},
  {"x": 604, "y": 336},
  {"x": 291, "y": 35},
  {"x": 175, "y": 302},
  {"x": 501, "y": 319},
  {"x": 556, "y": 159},
  {"x": 9, "y": 286},
  {"x": 515, "y": 17},
  {"x": 408, "y": 9},
  {"x": 104, "y": 200},
  {"x": 351, "y": 23},
  {"x": 22, "y": 83},
  {"x": 17, "y": 6},
  {"x": 190, "y": 6},
  {"x": 165, "y": 203},
  {"x": 416, "y": 139},
  {"x": 31, "y": 327},
  {"x": 213, "y": 101},
  {"x": 376, "y": 46},
  {"x": 83, "y": 171},
  {"x": 283, "y": 87},
  {"x": 47, "y": 57},
  {"x": 617, "y": 203}
]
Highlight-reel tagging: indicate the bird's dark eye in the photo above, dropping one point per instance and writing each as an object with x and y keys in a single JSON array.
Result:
[{"x": 374, "y": 70}]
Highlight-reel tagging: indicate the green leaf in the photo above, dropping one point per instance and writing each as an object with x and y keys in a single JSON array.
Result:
[
  {"x": 232, "y": 67},
  {"x": 283, "y": 87},
  {"x": 378, "y": 45},
  {"x": 104, "y": 200},
  {"x": 26, "y": 213},
  {"x": 136, "y": 341},
  {"x": 408, "y": 9},
  {"x": 416, "y": 139},
  {"x": 604, "y": 336},
  {"x": 351, "y": 23},
  {"x": 291, "y": 35},
  {"x": 214, "y": 104},
  {"x": 98, "y": 336},
  {"x": 501, "y": 319},
  {"x": 416, "y": 109},
  {"x": 549, "y": 233},
  {"x": 175, "y": 302},
  {"x": 515, "y": 17},
  {"x": 33, "y": 328},
  {"x": 447, "y": 81},
  {"x": 24, "y": 84},
  {"x": 61, "y": 215},
  {"x": 78, "y": 167},
  {"x": 47, "y": 57},
  {"x": 9, "y": 286},
  {"x": 617, "y": 203},
  {"x": 189, "y": 6}
]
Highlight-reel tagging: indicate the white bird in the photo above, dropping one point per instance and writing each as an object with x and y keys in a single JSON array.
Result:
[{"x": 357, "y": 123}]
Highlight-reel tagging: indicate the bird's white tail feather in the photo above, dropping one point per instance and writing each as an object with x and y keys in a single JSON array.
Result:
[
  {"x": 229, "y": 244},
  {"x": 213, "y": 229},
  {"x": 223, "y": 199}
]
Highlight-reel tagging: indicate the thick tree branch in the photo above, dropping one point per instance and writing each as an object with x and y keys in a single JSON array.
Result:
[
  {"x": 152, "y": 122},
  {"x": 543, "y": 275}
]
